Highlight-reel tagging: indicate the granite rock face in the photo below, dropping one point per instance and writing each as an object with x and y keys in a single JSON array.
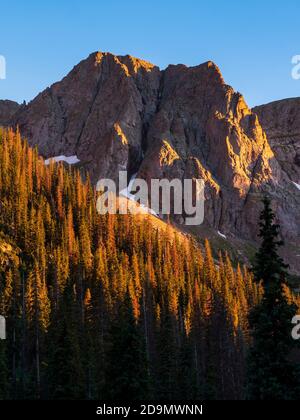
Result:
[{"x": 121, "y": 113}]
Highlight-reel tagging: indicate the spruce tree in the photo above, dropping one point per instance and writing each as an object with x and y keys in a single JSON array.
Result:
[{"x": 271, "y": 375}]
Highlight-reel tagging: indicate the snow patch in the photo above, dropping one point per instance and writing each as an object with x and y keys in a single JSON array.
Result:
[
  {"x": 127, "y": 193},
  {"x": 297, "y": 185},
  {"x": 148, "y": 210},
  {"x": 71, "y": 160},
  {"x": 222, "y": 235}
]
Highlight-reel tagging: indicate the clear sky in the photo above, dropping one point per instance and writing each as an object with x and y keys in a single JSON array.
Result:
[{"x": 252, "y": 42}]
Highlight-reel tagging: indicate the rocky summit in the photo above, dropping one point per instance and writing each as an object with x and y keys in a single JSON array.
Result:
[{"x": 120, "y": 113}]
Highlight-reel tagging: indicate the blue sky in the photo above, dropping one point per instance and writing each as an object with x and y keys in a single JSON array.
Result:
[{"x": 252, "y": 43}]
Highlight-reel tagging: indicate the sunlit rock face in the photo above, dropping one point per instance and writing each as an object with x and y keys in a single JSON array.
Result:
[
  {"x": 7, "y": 111},
  {"x": 121, "y": 113},
  {"x": 281, "y": 121}
]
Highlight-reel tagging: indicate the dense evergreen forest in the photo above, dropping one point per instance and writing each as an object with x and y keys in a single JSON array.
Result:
[{"x": 110, "y": 306}]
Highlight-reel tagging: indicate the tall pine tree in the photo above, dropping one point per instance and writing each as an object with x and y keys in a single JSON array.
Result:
[{"x": 271, "y": 375}]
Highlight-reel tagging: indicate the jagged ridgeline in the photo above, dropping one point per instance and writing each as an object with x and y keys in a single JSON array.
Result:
[{"x": 109, "y": 306}]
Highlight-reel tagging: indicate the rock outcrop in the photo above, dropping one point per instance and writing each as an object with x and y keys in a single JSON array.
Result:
[
  {"x": 117, "y": 113},
  {"x": 281, "y": 121},
  {"x": 8, "y": 110}
]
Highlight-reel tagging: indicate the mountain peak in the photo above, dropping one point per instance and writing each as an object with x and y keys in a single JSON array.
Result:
[
  {"x": 119, "y": 113},
  {"x": 136, "y": 63},
  {"x": 133, "y": 64}
]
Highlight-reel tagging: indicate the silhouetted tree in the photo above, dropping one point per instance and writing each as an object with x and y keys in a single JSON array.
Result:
[{"x": 271, "y": 376}]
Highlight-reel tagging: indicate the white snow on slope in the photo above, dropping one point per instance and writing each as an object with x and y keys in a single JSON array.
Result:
[
  {"x": 148, "y": 210},
  {"x": 222, "y": 235},
  {"x": 71, "y": 160},
  {"x": 127, "y": 193},
  {"x": 297, "y": 185}
]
